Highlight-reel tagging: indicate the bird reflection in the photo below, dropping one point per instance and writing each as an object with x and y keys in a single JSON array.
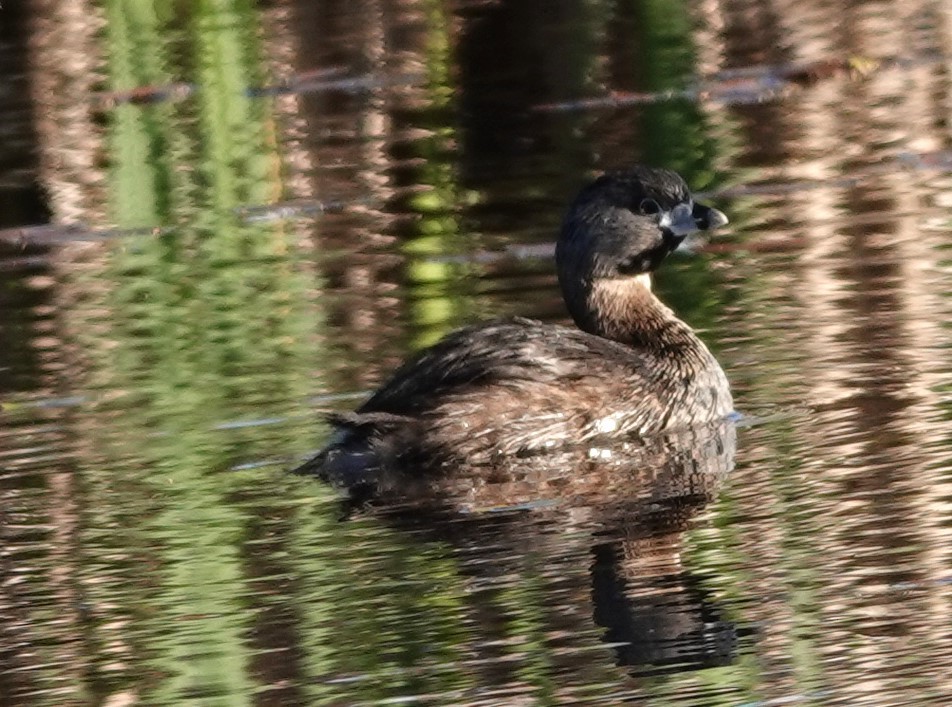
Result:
[{"x": 607, "y": 520}]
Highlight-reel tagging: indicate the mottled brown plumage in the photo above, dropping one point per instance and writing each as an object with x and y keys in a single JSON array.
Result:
[{"x": 521, "y": 387}]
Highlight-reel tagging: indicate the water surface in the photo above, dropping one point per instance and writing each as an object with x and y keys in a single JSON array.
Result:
[{"x": 218, "y": 221}]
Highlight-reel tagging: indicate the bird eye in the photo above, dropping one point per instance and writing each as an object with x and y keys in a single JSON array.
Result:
[{"x": 649, "y": 207}]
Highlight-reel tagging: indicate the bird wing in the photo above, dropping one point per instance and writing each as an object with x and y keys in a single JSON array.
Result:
[{"x": 504, "y": 353}]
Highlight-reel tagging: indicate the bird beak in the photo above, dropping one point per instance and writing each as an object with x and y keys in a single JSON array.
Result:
[
  {"x": 685, "y": 219},
  {"x": 708, "y": 218}
]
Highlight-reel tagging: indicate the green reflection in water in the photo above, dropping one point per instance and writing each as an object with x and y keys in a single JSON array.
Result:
[
  {"x": 207, "y": 324},
  {"x": 435, "y": 304},
  {"x": 382, "y": 616},
  {"x": 675, "y": 132},
  {"x": 529, "y": 640},
  {"x": 678, "y": 135}
]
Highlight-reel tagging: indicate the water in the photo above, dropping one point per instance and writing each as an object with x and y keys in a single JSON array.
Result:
[{"x": 256, "y": 212}]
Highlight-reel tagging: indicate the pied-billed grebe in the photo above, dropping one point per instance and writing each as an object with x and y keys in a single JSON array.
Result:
[{"x": 520, "y": 387}]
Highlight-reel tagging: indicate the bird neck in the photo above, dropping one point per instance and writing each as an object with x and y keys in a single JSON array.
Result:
[{"x": 625, "y": 309}]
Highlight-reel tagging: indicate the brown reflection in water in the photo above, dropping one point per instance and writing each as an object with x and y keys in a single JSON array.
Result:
[
  {"x": 738, "y": 34},
  {"x": 64, "y": 72},
  {"x": 869, "y": 354},
  {"x": 350, "y": 135},
  {"x": 42, "y": 596},
  {"x": 37, "y": 578},
  {"x": 603, "y": 527},
  {"x": 282, "y": 52}
]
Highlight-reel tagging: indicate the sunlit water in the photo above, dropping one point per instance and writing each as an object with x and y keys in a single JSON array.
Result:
[{"x": 296, "y": 196}]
